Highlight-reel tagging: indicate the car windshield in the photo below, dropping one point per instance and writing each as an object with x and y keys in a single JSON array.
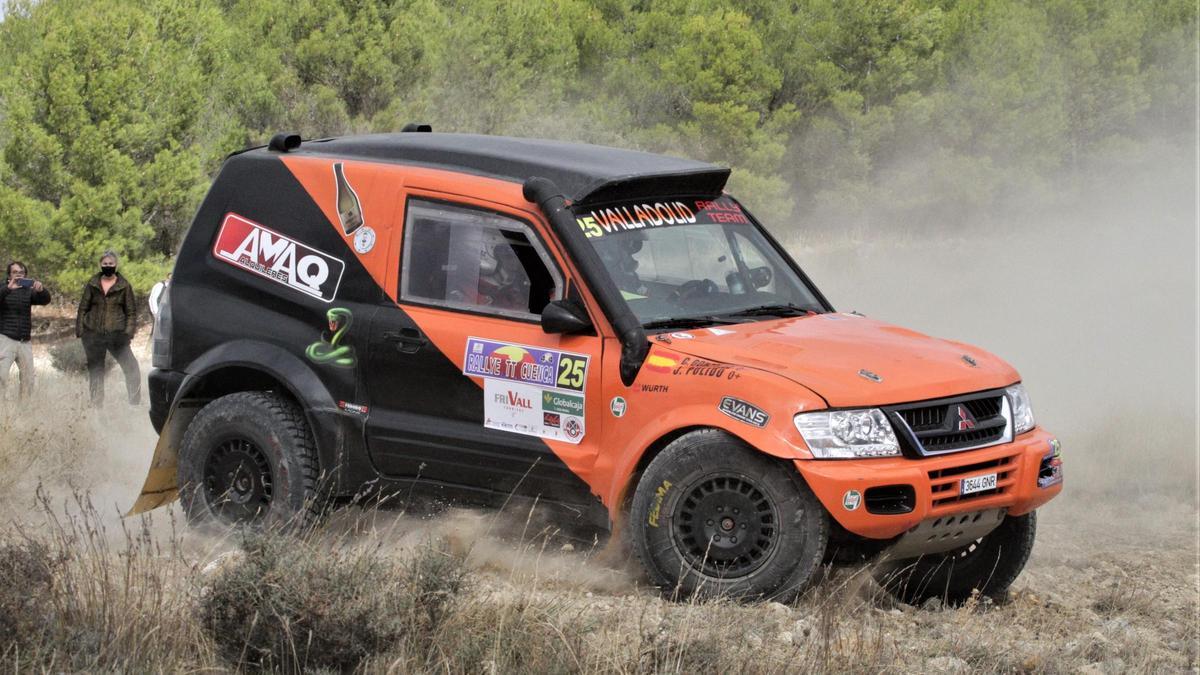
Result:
[{"x": 694, "y": 261}]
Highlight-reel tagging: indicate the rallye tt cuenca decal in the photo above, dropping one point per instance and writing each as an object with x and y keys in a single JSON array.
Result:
[
  {"x": 527, "y": 390},
  {"x": 245, "y": 244}
]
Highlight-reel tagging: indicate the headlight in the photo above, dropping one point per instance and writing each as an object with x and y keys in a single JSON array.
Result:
[
  {"x": 1022, "y": 411},
  {"x": 847, "y": 434}
]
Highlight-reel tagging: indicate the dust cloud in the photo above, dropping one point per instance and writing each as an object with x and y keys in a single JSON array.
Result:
[{"x": 1093, "y": 299}]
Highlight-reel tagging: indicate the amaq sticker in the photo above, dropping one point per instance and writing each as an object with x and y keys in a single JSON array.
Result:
[{"x": 260, "y": 250}]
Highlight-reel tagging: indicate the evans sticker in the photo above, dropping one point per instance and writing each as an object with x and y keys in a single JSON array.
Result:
[
  {"x": 526, "y": 365},
  {"x": 260, "y": 250},
  {"x": 744, "y": 412},
  {"x": 528, "y": 410}
]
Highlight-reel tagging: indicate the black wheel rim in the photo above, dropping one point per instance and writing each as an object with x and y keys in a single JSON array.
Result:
[
  {"x": 726, "y": 527},
  {"x": 238, "y": 481}
]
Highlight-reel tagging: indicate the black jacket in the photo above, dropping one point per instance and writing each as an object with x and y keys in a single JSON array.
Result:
[
  {"x": 113, "y": 312},
  {"x": 15, "y": 319}
]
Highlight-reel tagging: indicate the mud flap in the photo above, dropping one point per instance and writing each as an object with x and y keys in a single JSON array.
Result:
[{"x": 162, "y": 481}]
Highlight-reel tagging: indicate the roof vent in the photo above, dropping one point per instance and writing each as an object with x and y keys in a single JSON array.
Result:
[
  {"x": 413, "y": 126},
  {"x": 284, "y": 142}
]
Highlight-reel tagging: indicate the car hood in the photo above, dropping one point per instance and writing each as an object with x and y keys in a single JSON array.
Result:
[{"x": 838, "y": 356}]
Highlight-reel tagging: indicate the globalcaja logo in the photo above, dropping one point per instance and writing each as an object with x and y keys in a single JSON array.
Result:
[
  {"x": 562, "y": 403},
  {"x": 247, "y": 245}
]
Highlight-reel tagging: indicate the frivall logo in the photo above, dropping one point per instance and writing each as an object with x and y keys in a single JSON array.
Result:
[
  {"x": 744, "y": 412},
  {"x": 252, "y": 247},
  {"x": 965, "y": 419}
]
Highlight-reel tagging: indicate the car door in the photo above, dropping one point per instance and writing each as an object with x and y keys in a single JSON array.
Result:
[{"x": 465, "y": 388}]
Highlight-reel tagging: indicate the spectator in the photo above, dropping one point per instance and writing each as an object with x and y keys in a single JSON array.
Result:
[
  {"x": 16, "y": 298},
  {"x": 106, "y": 322}
]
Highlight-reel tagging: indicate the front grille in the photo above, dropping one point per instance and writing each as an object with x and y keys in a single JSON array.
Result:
[
  {"x": 953, "y": 424},
  {"x": 944, "y": 483}
]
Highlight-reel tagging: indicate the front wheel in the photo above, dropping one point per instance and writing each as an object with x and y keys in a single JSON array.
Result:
[
  {"x": 988, "y": 565},
  {"x": 249, "y": 458},
  {"x": 713, "y": 517}
]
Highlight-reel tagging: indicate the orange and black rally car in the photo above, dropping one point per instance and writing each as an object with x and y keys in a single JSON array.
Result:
[{"x": 600, "y": 329}]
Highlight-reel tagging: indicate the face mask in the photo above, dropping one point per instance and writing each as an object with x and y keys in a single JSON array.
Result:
[{"x": 108, "y": 271}]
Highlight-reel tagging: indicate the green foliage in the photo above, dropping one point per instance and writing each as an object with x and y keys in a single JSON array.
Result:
[{"x": 115, "y": 115}]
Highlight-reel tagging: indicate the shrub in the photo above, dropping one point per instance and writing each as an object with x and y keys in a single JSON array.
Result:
[
  {"x": 68, "y": 357},
  {"x": 25, "y": 606},
  {"x": 290, "y": 606}
]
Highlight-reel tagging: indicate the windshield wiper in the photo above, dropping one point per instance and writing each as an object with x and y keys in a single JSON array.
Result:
[
  {"x": 687, "y": 322},
  {"x": 785, "y": 309}
]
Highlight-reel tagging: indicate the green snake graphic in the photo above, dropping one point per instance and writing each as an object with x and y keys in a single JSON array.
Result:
[{"x": 332, "y": 352}]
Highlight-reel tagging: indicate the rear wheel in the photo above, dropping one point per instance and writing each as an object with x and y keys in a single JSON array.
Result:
[
  {"x": 989, "y": 564},
  {"x": 713, "y": 517},
  {"x": 249, "y": 458}
]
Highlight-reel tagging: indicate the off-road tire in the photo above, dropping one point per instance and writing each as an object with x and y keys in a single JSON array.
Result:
[
  {"x": 271, "y": 430},
  {"x": 709, "y": 472},
  {"x": 989, "y": 565}
]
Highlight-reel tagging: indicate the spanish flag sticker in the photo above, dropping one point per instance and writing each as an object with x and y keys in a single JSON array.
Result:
[{"x": 660, "y": 364}]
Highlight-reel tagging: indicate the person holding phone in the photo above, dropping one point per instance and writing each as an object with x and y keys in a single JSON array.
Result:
[{"x": 17, "y": 298}]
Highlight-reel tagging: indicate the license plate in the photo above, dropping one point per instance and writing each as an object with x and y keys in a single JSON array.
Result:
[{"x": 977, "y": 484}]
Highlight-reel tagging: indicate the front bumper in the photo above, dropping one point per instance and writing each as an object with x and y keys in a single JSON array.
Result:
[{"x": 929, "y": 487}]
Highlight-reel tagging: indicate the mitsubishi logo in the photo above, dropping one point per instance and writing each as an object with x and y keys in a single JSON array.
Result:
[{"x": 965, "y": 419}]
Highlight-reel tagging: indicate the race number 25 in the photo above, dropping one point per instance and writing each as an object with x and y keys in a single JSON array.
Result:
[{"x": 571, "y": 372}]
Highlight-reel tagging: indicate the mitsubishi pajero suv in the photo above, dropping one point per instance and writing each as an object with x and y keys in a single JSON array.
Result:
[{"x": 602, "y": 330}]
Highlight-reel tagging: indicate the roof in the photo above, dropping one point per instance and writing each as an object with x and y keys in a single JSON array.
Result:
[{"x": 584, "y": 173}]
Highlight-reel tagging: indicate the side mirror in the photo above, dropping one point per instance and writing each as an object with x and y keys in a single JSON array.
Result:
[
  {"x": 760, "y": 276},
  {"x": 565, "y": 316}
]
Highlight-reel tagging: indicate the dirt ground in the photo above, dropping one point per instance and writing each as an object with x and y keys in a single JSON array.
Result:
[{"x": 1113, "y": 584}]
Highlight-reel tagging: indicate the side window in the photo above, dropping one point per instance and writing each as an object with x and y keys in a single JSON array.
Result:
[{"x": 475, "y": 260}]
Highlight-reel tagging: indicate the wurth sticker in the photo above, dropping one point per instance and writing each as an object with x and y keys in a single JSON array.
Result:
[{"x": 260, "y": 250}]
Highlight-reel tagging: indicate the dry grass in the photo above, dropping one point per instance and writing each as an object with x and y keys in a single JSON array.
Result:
[{"x": 375, "y": 592}]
